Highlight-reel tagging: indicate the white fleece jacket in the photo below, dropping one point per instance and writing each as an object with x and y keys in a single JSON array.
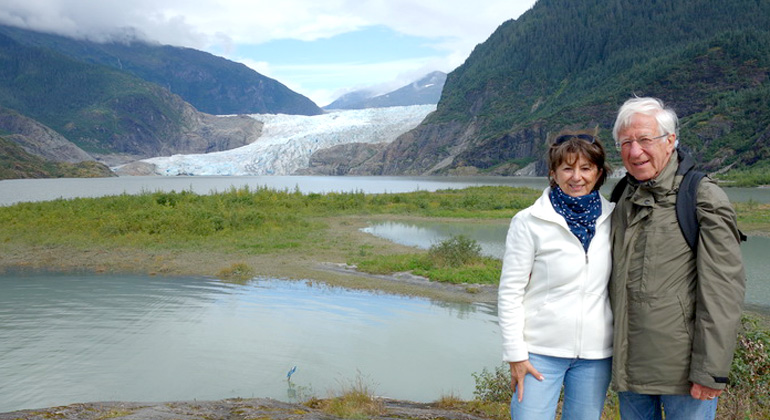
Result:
[{"x": 553, "y": 297}]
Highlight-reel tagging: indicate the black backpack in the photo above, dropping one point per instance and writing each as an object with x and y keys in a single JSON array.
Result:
[{"x": 686, "y": 199}]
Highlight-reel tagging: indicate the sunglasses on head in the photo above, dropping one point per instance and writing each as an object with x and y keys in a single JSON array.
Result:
[{"x": 587, "y": 137}]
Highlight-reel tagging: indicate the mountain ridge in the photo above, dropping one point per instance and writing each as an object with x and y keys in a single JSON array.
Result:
[
  {"x": 424, "y": 91},
  {"x": 571, "y": 64}
]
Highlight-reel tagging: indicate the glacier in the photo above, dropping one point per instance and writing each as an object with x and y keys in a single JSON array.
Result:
[{"x": 288, "y": 141}]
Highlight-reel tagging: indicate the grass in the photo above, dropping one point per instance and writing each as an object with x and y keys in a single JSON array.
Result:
[
  {"x": 238, "y": 272},
  {"x": 261, "y": 220},
  {"x": 455, "y": 260},
  {"x": 246, "y": 232},
  {"x": 260, "y": 229},
  {"x": 753, "y": 217},
  {"x": 755, "y": 176},
  {"x": 745, "y": 398},
  {"x": 355, "y": 401}
]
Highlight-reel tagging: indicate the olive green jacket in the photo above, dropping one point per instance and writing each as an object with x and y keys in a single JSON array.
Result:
[{"x": 676, "y": 311}]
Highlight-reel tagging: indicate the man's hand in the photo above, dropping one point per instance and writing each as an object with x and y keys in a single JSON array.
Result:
[
  {"x": 700, "y": 392},
  {"x": 518, "y": 371}
]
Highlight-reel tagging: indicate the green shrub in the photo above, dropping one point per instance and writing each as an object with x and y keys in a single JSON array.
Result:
[
  {"x": 747, "y": 397},
  {"x": 455, "y": 252},
  {"x": 494, "y": 386}
]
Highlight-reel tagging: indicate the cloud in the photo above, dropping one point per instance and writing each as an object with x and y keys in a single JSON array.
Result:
[
  {"x": 446, "y": 30},
  {"x": 202, "y": 23}
]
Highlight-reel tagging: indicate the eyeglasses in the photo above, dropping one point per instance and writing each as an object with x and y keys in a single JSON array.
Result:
[
  {"x": 566, "y": 137},
  {"x": 644, "y": 142}
]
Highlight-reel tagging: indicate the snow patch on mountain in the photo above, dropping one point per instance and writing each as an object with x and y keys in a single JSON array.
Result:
[{"x": 288, "y": 141}]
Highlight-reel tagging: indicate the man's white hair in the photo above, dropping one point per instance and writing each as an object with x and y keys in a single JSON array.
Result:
[{"x": 666, "y": 117}]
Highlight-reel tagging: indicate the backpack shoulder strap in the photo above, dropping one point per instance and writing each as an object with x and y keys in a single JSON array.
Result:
[
  {"x": 687, "y": 202},
  {"x": 686, "y": 207},
  {"x": 617, "y": 191}
]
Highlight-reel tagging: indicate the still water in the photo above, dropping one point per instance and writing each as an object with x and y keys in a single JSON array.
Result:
[
  {"x": 81, "y": 338},
  {"x": 491, "y": 237}
]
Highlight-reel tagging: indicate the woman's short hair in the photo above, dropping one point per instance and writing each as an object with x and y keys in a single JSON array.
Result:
[
  {"x": 568, "y": 146},
  {"x": 668, "y": 122}
]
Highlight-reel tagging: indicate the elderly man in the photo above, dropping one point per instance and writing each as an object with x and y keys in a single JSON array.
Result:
[{"x": 676, "y": 308}]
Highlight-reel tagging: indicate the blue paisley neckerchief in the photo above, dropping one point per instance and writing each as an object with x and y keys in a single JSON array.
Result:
[{"x": 579, "y": 212}]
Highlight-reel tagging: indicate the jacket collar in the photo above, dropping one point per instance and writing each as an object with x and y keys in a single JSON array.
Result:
[
  {"x": 543, "y": 209},
  {"x": 647, "y": 192}
]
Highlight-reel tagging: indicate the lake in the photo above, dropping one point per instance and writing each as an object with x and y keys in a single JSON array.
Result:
[{"x": 68, "y": 338}]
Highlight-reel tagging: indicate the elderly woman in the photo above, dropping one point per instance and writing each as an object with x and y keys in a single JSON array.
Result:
[{"x": 553, "y": 304}]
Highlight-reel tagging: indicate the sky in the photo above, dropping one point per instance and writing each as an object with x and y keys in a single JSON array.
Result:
[{"x": 318, "y": 48}]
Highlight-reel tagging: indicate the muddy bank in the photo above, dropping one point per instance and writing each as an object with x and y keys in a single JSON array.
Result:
[{"x": 229, "y": 409}]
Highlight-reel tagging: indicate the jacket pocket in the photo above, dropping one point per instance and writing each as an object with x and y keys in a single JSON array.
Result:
[
  {"x": 667, "y": 264},
  {"x": 658, "y": 341},
  {"x": 688, "y": 316},
  {"x": 552, "y": 325}
]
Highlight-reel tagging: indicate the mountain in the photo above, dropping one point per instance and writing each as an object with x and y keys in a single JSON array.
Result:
[
  {"x": 16, "y": 162},
  {"x": 572, "y": 63},
  {"x": 39, "y": 140},
  {"x": 352, "y": 100},
  {"x": 103, "y": 111},
  {"x": 426, "y": 91},
  {"x": 212, "y": 84}
]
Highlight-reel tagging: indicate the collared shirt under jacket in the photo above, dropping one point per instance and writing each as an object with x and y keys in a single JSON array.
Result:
[{"x": 553, "y": 296}]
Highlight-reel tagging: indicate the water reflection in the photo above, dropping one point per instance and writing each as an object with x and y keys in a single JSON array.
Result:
[
  {"x": 423, "y": 234},
  {"x": 491, "y": 237},
  {"x": 80, "y": 338}
]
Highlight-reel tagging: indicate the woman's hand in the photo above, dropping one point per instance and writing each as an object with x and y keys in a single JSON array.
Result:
[{"x": 518, "y": 371}]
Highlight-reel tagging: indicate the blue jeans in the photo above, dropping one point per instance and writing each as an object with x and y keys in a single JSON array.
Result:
[
  {"x": 635, "y": 406},
  {"x": 585, "y": 387}
]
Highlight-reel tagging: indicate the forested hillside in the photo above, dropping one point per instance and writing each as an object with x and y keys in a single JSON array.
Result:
[
  {"x": 211, "y": 84},
  {"x": 571, "y": 63},
  {"x": 104, "y": 111}
]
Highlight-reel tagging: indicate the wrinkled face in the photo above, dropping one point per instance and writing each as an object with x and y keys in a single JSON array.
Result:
[
  {"x": 576, "y": 176},
  {"x": 644, "y": 155}
]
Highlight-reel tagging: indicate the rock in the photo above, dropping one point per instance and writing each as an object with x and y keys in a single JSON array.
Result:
[
  {"x": 40, "y": 140},
  {"x": 230, "y": 409}
]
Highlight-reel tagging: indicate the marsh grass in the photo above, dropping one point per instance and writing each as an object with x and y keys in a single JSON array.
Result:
[
  {"x": 256, "y": 221},
  {"x": 355, "y": 400},
  {"x": 753, "y": 217},
  {"x": 454, "y": 260},
  {"x": 238, "y": 272}
]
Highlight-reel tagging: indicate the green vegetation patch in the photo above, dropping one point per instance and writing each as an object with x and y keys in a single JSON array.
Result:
[
  {"x": 454, "y": 260},
  {"x": 758, "y": 174},
  {"x": 753, "y": 217},
  {"x": 244, "y": 220}
]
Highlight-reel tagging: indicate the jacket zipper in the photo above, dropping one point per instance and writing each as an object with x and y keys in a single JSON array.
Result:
[{"x": 579, "y": 338}]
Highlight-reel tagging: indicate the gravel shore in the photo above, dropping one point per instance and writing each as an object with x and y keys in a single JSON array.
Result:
[{"x": 229, "y": 409}]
